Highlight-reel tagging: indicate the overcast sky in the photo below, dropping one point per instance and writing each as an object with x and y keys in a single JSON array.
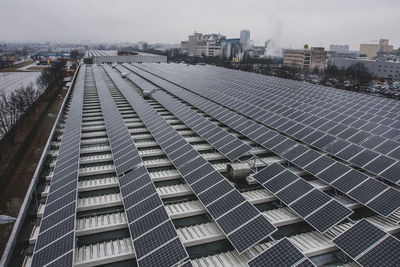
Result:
[{"x": 291, "y": 23}]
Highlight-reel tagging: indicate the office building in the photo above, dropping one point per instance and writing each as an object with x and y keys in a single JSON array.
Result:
[
  {"x": 305, "y": 59},
  {"x": 208, "y": 45}
]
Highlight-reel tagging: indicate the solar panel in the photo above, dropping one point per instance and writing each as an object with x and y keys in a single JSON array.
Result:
[
  {"x": 237, "y": 217},
  {"x": 194, "y": 172},
  {"x": 319, "y": 165},
  {"x": 154, "y": 238},
  {"x": 379, "y": 164},
  {"x": 328, "y": 216},
  {"x": 280, "y": 181},
  {"x": 359, "y": 238},
  {"x": 284, "y": 146},
  {"x": 367, "y": 190},
  {"x": 349, "y": 181},
  {"x": 148, "y": 221},
  {"x": 268, "y": 173},
  {"x": 225, "y": 204},
  {"x": 295, "y": 152},
  {"x": 282, "y": 253},
  {"x": 349, "y": 152},
  {"x": 364, "y": 158},
  {"x": 392, "y": 173},
  {"x": 304, "y": 116},
  {"x": 251, "y": 233},
  {"x": 386, "y": 253},
  {"x": 56, "y": 238},
  {"x": 54, "y": 250},
  {"x": 314, "y": 206},
  {"x": 333, "y": 172},
  {"x": 294, "y": 191},
  {"x": 386, "y": 203},
  {"x": 310, "y": 202},
  {"x": 342, "y": 116},
  {"x": 169, "y": 254},
  {"x": 124, "y": 151},
  {"x": 306, "y": 158},
  {"x": 208, "y": 181}
]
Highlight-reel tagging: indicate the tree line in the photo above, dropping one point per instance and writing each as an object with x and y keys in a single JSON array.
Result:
[{"x": 22, "y": 101}]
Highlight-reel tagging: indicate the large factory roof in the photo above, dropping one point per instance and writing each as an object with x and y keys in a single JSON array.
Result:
[{"x": 188, "y": 165}]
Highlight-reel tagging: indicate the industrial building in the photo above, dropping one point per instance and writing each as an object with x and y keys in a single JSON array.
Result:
[
  {"x": 190, "y": 165},
  {"x": 112, "y": 56},
  {"x": 387, "y": 69},
  {"x": 372, "y": 50}
]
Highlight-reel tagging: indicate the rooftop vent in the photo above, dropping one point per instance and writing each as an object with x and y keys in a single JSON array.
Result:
[
  {"x": 238, "y": 171},
  {"x": 146, "y": 94}
]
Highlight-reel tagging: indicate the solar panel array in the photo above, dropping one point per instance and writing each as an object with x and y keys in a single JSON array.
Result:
[
  {"x": 381, "y": 198},
  {"x": 314, "y": 206},
  {"x": 368, "y": 245},
  {"x": 223, "y": 141},
  {"x": 282, "y": 253},
  {"x": 55, "y": 244},
  {"x": 124, "y": 152},
  {"x": 299, "y": 120},
  {"x": 226, "y": 143},
  {"x": 368, "y": 191},
  {"x": 241, "y": 222},
  {"x": 155, "y": 240},
  {"x": 139, "y": 81}
]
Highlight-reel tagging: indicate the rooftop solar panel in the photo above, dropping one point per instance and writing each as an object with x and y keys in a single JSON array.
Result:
[
  {"x": 195, "y": 179},
  {"x": 56, "y": 237},
  {"x": 359, "y": 238},
  {"x": 282, "y": 253}
]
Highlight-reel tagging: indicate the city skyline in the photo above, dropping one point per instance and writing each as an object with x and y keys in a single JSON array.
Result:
[{"x": 290, "y": 24}]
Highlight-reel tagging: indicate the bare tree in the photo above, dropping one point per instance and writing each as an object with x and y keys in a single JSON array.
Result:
[
  {"x": 13, "y": 106},
  {"x": 22, "y": 100},
  {"x": 9, "y": 114}
]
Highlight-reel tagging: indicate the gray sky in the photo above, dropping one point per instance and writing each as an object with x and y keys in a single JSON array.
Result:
[{"x": 291, "y": 23}]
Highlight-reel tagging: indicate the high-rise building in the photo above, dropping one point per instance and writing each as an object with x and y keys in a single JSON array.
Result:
[
  {"x": 193, "y": 39},
  {"x": 305, "y": 59},
  {"x": 245, "y": 38},
  {"x": 371, "y": 50},
  {"x": 232, "y": 49}
]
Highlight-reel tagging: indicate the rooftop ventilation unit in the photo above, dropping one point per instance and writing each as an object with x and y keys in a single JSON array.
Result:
[
  {"x": 114, "y": 65},
  {"x": 124, "y": 74},
  {"x": 238, "y": 171},
  {"x": 146, "y": 94}
]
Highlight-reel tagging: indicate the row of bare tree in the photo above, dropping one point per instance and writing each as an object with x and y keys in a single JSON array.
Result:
[
  {"x": 22, "y": 101},
  {"x": 13, "y": 105}
]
